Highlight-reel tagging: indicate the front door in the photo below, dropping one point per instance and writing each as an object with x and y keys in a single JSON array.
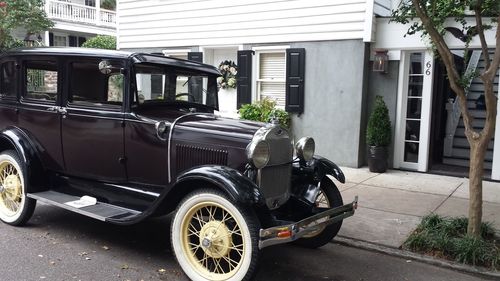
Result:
[
  {"x": 414, "y": 110},
  {"x": 92, "y": 123}
]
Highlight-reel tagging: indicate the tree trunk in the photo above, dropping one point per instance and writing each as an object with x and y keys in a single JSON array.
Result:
[{"x": 476, "y": 170}]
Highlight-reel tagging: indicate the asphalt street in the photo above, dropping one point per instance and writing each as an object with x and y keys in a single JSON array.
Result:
[{"x": 59, "y": 245}]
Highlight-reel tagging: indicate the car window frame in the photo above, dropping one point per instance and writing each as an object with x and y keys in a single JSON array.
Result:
[
  {"x": 94, "y": 106},
  {"x": 22, "y": 91},
  {"x": 16, "y": 80}
]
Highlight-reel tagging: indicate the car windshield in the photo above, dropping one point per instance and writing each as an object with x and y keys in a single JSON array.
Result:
[{"x": 158, "y": 83}]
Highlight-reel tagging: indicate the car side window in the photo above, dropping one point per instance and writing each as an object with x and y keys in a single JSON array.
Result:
[
  {"x": 88, "y": 86},
  {"x": 8, "y": 75},
  {"x": 41, "y": 80}
]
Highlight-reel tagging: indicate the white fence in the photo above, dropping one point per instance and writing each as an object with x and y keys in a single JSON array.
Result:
[{"x": 80, "y": 13}]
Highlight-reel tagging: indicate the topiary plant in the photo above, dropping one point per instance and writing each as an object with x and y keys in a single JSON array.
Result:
[
  {"x": 378, "y": 131},
  {"x": 263, "y": 111}
]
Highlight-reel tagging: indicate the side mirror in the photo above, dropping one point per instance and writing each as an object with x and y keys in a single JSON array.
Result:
[{"x": 105, "y": 67}]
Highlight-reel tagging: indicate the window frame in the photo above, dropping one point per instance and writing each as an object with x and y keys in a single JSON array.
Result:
[
  {"x": 256, "y": 81},
  {"x": 24, "y": 86},
  {"x": 88, "y": 105},
  {"x": 16, "y": 79}
]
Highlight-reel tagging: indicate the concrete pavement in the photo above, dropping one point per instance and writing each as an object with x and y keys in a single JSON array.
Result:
[{"x": 392, "y": 204}]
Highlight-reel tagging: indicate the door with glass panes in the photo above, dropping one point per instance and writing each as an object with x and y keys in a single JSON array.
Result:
[{"x": 413, "y": 111}]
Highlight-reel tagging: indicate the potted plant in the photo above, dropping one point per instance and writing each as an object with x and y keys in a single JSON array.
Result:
[{"x": 378, "y": 136}]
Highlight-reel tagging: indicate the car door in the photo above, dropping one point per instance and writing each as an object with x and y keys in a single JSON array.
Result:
[
  {"x": 38, "y": 116},
  {"x": 92, "y": 122}
]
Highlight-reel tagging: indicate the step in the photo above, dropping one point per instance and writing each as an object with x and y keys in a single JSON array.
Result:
[
  {"x": 463, "y": 143},
  {"x": 465, "y": 153},
  {"x": 463, "y": 162},
  {"x": 460, "y": 131},
  {"x": 476, "y": 122},
  {"x": 100, "y": 211}
]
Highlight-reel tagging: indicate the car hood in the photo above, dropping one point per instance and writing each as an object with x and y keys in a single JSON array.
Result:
[{"x": 218, "y": 125}]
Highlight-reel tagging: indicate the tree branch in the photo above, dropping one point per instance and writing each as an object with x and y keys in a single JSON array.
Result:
[
  {"x": 495, "y": 63},
  {"x": 480, "y": 32}
]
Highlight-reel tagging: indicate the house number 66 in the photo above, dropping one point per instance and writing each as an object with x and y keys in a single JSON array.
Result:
[{"x": 428, "y": 68}]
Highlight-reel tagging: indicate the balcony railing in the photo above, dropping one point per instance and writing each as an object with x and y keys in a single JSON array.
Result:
[{"x": 80, "y": 13}]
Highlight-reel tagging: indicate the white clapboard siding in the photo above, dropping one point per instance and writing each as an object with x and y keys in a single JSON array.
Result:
[{"x": 172, "y": 23}]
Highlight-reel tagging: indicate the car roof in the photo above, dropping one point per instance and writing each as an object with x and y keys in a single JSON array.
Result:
[{"x": 135, "y": 56}]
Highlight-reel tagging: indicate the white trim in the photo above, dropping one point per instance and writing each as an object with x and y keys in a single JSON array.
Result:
[
  {"x": 495, "y": 171},
  {"x": 167, "y": 52},
  {"x": 278, "y": 48},
  {"x": 368, "y": 24},
  {"x": 399, "y": 134},
  {"x": 425, "y": 118}
]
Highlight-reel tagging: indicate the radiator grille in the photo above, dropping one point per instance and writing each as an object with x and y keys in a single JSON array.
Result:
[
  {"x": 191, "y": 156},
  {"x": 275, "y": 184}
]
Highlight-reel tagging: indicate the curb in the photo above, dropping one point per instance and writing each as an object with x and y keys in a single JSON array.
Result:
[{"x": 414, "y": 256}]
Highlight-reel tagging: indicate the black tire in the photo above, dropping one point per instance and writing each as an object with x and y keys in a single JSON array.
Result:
[
  {"x": 332, "y": 194},
  {"x": 15, "y": 207},
  {"x": 214, "y": 238}
]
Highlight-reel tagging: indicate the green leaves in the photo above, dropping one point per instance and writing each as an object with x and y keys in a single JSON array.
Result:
[
  {"x": 378, "y": 131},
  {"x": 27, "y": 14},
  {"x": 263, "y": 111},
  {"x": 101, "y": 42}
]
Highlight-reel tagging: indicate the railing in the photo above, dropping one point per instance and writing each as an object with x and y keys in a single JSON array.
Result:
[
  {"x": 80, "y": 13},
  {"x": 453, "y": 108}
]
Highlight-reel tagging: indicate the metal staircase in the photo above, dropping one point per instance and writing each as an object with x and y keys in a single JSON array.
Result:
[{"x": 456, "y": 147}]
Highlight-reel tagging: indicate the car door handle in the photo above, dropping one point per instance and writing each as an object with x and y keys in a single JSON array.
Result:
[
  {"x": 52, "y": 108},
  {"x": 62, "y": 110}
]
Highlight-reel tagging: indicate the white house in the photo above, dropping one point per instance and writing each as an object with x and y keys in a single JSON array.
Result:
[{"x": 315, "y": 58}]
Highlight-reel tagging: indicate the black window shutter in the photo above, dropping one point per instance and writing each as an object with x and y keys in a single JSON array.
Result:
[
  {"x": 195, "y": 85},
  {"x": 72, "y": 41},
  {"x": 81, "y": 40},
  {"x": 51, "y": 39},
  {"x": 244, "y": 78},
  {"x": 295, "y": 67},
  {"x": 195, "y": 56}
]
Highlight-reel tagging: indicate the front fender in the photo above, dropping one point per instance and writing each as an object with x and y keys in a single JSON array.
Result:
[
  {"x": 239, "y": 187},
  {"x": 14, "y": 138},
  {"x": 327, "y": 167}
]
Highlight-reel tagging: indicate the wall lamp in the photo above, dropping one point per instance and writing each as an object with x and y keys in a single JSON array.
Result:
[{"x": 380, "y": 61}]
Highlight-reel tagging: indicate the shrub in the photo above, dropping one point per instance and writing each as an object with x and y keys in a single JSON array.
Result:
[
  {"x": 263, "y": 111},
  {"x": 448, "y": 237},
  {"x": 378, "y": 131},
  {"x": 101, "y": 42}
]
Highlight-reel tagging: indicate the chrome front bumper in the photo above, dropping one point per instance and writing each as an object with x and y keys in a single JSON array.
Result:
[{"x": 291, "y": 232}]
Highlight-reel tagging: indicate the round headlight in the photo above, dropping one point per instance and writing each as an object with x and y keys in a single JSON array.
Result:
[
  {"x": 305, "y": 148},
  {"x": 258, "y": 153},
  {"x": 161, "y": 129}
]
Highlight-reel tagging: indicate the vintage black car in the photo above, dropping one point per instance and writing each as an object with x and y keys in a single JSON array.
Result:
[{"x": 121, "y": 137}]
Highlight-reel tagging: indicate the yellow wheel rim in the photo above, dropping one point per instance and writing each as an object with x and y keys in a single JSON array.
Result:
[
  {"x": 11, "y": 188},
  {"x": 212, "y": 241},
  {"x": 321, "y": 202}
]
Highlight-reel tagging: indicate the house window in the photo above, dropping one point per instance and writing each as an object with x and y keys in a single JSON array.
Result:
[
  {"x": 271, "y": 67},
  {"x": 90, "y": 3},
  {"x": 61, "y": 41}
]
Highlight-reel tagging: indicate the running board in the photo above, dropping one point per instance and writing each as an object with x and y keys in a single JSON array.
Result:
[{"x": 100, "y": 211}]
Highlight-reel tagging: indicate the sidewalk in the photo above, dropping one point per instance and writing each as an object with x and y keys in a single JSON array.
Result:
[{"x": 392, "y": 204}]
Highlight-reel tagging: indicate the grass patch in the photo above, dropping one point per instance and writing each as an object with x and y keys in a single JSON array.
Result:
[{"x": 447, "y": 238}]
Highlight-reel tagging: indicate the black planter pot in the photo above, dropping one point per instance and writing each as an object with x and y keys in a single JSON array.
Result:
[{"x": 377, "y": 159}]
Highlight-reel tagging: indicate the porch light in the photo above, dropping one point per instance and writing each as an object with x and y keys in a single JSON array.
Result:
[{"x": 380, "y": 61}]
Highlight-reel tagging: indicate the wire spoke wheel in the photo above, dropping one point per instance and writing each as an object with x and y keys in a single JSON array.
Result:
[
  {"x": 321, "y": 202},
  {"x": 11, "y": 189},
  {"x": 15, "y": 207},
  {"x": 213, "y": 239},
  {"x": 328, "y": 197}
]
